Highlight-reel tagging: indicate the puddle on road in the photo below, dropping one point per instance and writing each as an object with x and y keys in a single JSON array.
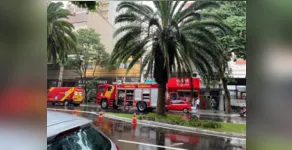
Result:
[{"x": 118, "y": 130}]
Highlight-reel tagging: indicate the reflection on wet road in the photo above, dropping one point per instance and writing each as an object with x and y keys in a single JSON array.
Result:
[
  {"x": 186, "y": 116},
  {"x": 141, "y": 137}
]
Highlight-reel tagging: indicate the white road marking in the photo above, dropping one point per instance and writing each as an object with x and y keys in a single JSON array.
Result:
[
  {"x": 176, "y": 144},
  {"x": 152, "y": 145},
  {"x": 170, "y": 128}
]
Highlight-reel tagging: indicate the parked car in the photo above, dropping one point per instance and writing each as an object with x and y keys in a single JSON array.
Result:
[
  {"x": 65, "y": 131},
  {"x": 179, "y": 105}
]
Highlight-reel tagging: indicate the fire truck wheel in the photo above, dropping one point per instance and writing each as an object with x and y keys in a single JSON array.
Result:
[
  {"x": 141, "y": 106},
  {"x": 104, "y": 104},
  {"x": 185, "y": 110},
  {"x": 66, "y": 103}
]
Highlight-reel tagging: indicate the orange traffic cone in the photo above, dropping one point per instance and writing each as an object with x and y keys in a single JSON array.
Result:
[
  {"x": 74, "y": 112},
  {"x": 100, "y": 119},
  {"x": 134, "y": 103},
  {"x": 134, "y": 121}
]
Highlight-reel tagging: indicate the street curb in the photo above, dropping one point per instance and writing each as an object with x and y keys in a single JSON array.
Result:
[
  {"x": 180, "y": 128},
  {"x": 169, "y": 126},
  {"x": 193, "y": 111}
]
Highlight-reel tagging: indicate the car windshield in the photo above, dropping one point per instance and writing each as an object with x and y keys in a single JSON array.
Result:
[{"x": 83, "y": 139}]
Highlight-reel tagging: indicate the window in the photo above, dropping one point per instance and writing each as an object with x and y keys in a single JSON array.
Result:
[
  {"x": 177, "y": 102},
  {"x": 81, "y": 139},
  {"x": 127, "y": 65},
  {"x": 101, "y": 89},
  {"x": 109, "y": 88},
  {"x": 122, "y": 65},
  {"x": 173, "y": 96},
  {"x": 184, "y": 94}
]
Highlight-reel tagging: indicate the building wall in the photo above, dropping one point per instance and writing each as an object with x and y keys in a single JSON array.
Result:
[
  {"x": 134, "y": 72},
  {"x": 104, "y": 8},
  {"x": 96, "y": 20},
  {"x": 104, "y": 28},
  {"x": 238, "y": 68}
]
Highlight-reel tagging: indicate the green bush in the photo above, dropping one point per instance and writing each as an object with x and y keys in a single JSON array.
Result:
[
  {"x": 171, "y": 119},
  {"x": 179, "y": 120},
  {"x": 211, "y": 124},
  {"x": 195, "y": 123}
]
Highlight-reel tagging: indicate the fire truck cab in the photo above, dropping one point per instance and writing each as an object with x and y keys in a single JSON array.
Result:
[
  {"x": 143, "y": 96},
  {"x": 65, "y": 95}
]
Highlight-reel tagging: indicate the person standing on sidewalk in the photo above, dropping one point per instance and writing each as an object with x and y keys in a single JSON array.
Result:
[
  {"x": 213, "y": 105},
  {"x": 198, "y": 104}
]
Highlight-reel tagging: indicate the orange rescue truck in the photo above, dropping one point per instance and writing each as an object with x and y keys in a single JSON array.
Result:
[
  {"x": 142, "y": 96},
  {"x": 65, "y": 95}
]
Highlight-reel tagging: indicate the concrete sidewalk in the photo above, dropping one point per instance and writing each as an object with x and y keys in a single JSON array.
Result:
[{"x": 211, "y": 113}]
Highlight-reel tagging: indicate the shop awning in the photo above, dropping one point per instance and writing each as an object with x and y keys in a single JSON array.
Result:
[{"x": 184, "y": 83}]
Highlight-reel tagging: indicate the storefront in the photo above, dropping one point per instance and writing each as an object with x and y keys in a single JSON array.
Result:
[
  {"x": 183, "y": 88},
  {"x": 207, "y": 95}
]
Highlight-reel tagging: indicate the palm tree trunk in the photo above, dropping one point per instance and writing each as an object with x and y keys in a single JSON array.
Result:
[
  {"x": 86, "y": 96},
  {"x": 227, "y": 96},
  {"x": 61, "y": 75},
  {"x": 161, "y": 99}
]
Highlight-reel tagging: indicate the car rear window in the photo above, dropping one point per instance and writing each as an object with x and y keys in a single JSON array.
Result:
[{"x": 82, "y": 139}]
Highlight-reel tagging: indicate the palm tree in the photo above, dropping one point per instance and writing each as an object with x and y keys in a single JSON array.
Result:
[
  {"x": 172, "y": 39},
  {"x": 60, "y": 35}
]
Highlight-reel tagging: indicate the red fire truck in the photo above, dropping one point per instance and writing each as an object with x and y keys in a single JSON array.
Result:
[
  {"x": 65, "y": 95},
  {"x": 143, "y": 96}
]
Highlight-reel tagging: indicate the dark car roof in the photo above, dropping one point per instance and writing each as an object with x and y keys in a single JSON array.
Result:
[{"x": 58, "y": 122}]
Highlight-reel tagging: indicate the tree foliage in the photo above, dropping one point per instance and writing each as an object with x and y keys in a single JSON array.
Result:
[
  {"x": 91, "y": 5},
  {"x": 233, "y": 14},
  {"x": 172, "y": 39},
  {"x": 89, "y": 51},
  {"x": 60, "y": 35}
]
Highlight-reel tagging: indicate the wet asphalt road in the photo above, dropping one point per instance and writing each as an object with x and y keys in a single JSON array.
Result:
[
  {"x": 120, "y": 110},
  {"x": 129, "y": 137}
]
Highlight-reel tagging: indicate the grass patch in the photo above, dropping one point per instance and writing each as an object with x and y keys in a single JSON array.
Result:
[
  {"x": 231, "y": 127},
  {"x": 193, "y": 122},
  {"x": 130, "y": 116}
]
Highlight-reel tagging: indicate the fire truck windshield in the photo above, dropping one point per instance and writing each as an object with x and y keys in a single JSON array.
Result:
[{"x": 101, "y": 89}]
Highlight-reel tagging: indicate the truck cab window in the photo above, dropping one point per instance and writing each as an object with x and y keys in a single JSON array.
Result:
[
  {"x": 109, "y": 88},
  {"x": 101, "y": 89}
]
